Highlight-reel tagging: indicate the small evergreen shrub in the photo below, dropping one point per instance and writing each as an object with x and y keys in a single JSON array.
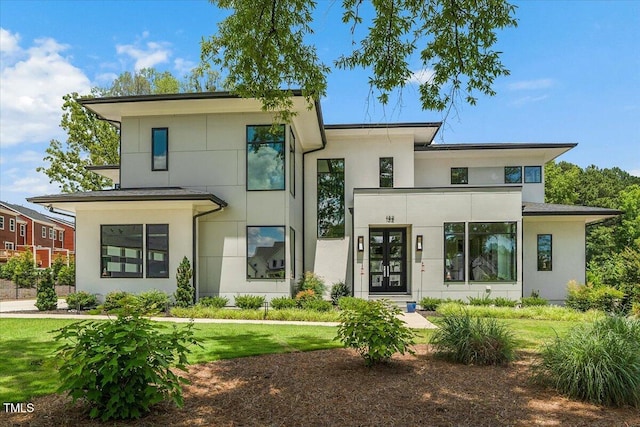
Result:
[
  {"x": 374, "y": 330},
  {"x": 46, "y": 298},
  {"x": 483, "y": 300},
  {"x": 587, "y": 297},
  {"x": 430, "y": 304},
  {"x": 184, "y": 293},
  {"x": 81, "y": 300},
  {"x": 504, "y": 302},
  {"x": 122, "y": 367},
  {"x": 283, "y": 303},
  {"x": 115, "y": 300},
  {"x": 249, "y": 302},
  {"x": 67, "y": 275},
  {"x": 214, "y": 302},
  {"x": 317, "y": 305},
  {"x": 153, "y": 301},
  {"x": 469, "y": 340},
  {"x": 56, "y": 266},
  {"x": 310, "y": 281},
  {"x": 350, "y": 303},
  {"x": 533, "y": 301},
  {"x": 339, "y": 290},
  {"x": 597, "y": 362}
]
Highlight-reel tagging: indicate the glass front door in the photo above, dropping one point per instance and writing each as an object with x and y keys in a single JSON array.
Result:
[{"x": 387, "y": 260}]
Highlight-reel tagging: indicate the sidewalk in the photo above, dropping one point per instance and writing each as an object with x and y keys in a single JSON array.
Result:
[{"x": 413, "y": 320}]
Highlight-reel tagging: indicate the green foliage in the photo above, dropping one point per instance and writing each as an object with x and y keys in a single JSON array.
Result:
[
  {"x": 316, "y": 305},
  {"x": 351, "y": 303},
  {"x": 185, "y": 292},
  {"x": 214, "y": 302},
  {"x": 374, "y": 330},
  {"x": 533, "y": 301},
  {"x": 504, "y": 302},
  {"x": 153, "y": 301},
  {"x": 309, "y": 281},
  {"x": 472, "y": 340},
  {"x": 533, "y": 312},
  {"x": 56, "y": 266},
  {"x": 67, "y": 275},
  {"x": 116, "y": 300},
  {"x": 122, "y": 367},
  {"x": 250, "y": 302},
  {"x": 587, "y": 297},
  {"x": 81, "y": 300},
  {"x": 635, "y": 310},
  {"x": 283, "y": 303},
  {"x": 598, "y": 362},
  {"x": 46, "y": 298},
  {"x": 20, "y": 270},
  {"x": 482, "y": 300},
  {"x": 430, "y": 304},
  {"x": 307, "y": 295},
  {"x": 290, "y": 314},
  {"x": 339, "y": 290}
]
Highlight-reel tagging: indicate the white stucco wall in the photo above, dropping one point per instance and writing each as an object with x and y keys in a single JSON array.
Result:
[{"x": 568, "y": 252}]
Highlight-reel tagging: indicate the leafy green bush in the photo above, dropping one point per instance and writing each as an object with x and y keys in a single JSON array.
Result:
[
  {"x": 533, "y": 301},
  {"x": 483, "y": 300},
  {"x": 115, "y": 300},
  {"x": 214, "y": 302},
  {"x": 339, "y": 290},
  {"x": 504, "y": 302},
  {"x": 185, "y": 292},
  {"x": 296, "y": 314},
  {"x": 122, "y": 367},
  {"x": 536, "y": 312},
  {"x": 307, "y": 295},
  {"x": 81, "y": 300},
  {"x": 472, "y": 340},
  {"x": 249, "y": 302},
  {"x": 374, "y": 330},
  {"x": 430, "y": 304},
  {"x": 317, "y": 305},
  {"x": 153, "y": 301},
  {"x": 586, "y": 297},
  {"x": 46, "y": 298},
  {"x": 635, "y": 310},
  {"x": 283, "y": 303},
  {"x": 20, "y": 270},
  {"x": 350, "y": 303},
  {"x": 598, "y": 362},
  {"x": 56, "y": 266},
  {"x": 67, "y": 275},
  {"x": 310, "y": 281}
]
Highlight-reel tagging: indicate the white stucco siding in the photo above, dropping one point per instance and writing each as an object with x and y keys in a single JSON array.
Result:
[
  {"x": 568, "y": 256},
  {"x": 89, "y": 218}
]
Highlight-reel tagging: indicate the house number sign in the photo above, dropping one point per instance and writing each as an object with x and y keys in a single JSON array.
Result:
[{"x": 390, "y": 219}]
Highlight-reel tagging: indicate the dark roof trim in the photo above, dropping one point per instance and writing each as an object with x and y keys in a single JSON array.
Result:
[
  {"x": 550, "y": 209},
  {"x": 492, "y": 146},
  {"x": 383, "y": 125},
  {"x": 460, "y": 189},
  {"x": 101, "y": 167}
]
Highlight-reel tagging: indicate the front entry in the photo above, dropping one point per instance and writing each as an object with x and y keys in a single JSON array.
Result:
[{"x": 387, "y": 260}]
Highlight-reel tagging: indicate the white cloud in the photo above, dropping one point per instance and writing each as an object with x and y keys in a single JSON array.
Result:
[
  {"x": 635, "y": 172},
  {"x": 183, "y": 67},
  {"x": 528, "y": 100},
  {"x": 31, "y": 90},
  {"x": 531, "y": 84},
  {"x": 8, "y": 42},
  {"x": 421, "y": 76},
  {"x": 146, "y": 55},
  {"x": 18, "y": 183}
]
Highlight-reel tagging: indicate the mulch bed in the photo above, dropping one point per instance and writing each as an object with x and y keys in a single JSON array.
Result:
[{"x": 334, "y": 388}]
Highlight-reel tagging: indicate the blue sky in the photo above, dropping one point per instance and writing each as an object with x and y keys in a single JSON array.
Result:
[{"x": 575, "y": 75}]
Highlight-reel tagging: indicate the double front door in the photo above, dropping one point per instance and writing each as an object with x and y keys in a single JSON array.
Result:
[{"x": 387, "y": 260}]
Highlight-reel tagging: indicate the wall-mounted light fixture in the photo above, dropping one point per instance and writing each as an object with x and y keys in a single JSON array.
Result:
[
  {"x": 360, "y": 243},
  {"x": 419, "y": 242}
]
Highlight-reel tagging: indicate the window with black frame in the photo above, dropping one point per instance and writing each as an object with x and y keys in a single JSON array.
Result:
[
  {"x": 533, "y": 174},
  {"x": 544, "y": 250},
  {"x": 513, "y": 175},
  {"x": 160, "y": 149},
  {"x": 330, "y": 186},
  {"x": 157, "y": 250},
  {"x": 492, "y": 251},
  {"x": 454, "y": 262},
  {"x": 386, "y": 172},
  {"x": 265, "y": 252},
  {"x": 121, "y": 251},
  {"x": 459, "y": 175},
  {"x": 265, "y": 157}
]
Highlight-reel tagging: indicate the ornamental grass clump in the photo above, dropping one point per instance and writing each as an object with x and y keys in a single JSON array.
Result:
[
  {"x": 471, "y": 340},
  {"x": 249, "y": 302},
  {"x": 374, "y": 330},
  {"x": 597, "y": 362}
]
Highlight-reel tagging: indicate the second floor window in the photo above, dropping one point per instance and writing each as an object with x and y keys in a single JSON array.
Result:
[
  {"x": 52, "y": 234},
  {"x": 512, "y": 175},
  {"x": 60, "y": 235},
  {"x": 265, "y": 157},
  {"x": 386, "y": 172},
  {"x": 533, "y": 174},
  {"x": 292, "y": 163},
  {"x": 160, "y": 149},
  {"x": 1, "y": 222},
  {"x": 44, "y": 232},
  {"x": 12, "y": 224},
  {"x": 459, "y": 175},
  {"x": 22, "y": 230}
]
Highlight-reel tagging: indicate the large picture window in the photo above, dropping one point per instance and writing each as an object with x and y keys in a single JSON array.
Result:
[
  {"x": 121, "y": 250},
  {"x": 265, "y": 157},
  {"x": 157, "y": 250},
  {"x": 544, "y": 252},
  {"x": 265, "y": 252},
  {"x": 331, "y": 198},
  {"x": 160, "y": 149},
  {"x": 454, "y": 252},
  {"x": 492, "y": 251},
  {"x": 386, "y": 172}
]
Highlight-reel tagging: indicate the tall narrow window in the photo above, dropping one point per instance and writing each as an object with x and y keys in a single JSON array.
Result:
[
  {"x": 532, "y": 174},
  {"x": 22, "y": 230},
  {"x": 386, "y": 172},
  {"x": 44, "y": 232},
  {"x": 1, "y": 222},
  {"x": 160, "y": 149},
  {"x": 12, "y": 224},
  {"x": 512, "y": 175},
  {"x": 492, "y": 251},
  {"x": 292, "y": 251},
  {"x": 265, "y": 158},
  {"x": 454, "y": 252},
  {"x": 158, "y": 250},
  {"x": 60, "y": 235},
  {"x": 52, "y": 234},
  {"x": 330, "y": 198},
  {"x": 544, "y": 252},
  {"x": 459, "y": 175},
  {"x": 292, "y": 163},
  {"x": 121, "y": 254},
  {"x": 265, "y": 252}
]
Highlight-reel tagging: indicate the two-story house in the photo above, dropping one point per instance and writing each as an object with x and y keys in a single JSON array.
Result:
[{"x": 380, "y": 207}]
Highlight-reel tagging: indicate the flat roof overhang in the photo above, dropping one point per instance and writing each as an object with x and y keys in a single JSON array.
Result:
[
  {"x": 108, "y": 171},
  {"x": 422, "y": 132},
  {"x": 548, "y": 151},
  {"x": 556, "y": 212}
]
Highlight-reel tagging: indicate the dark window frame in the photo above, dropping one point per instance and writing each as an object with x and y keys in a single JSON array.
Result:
[
  {"x": 149, "y": 250},
  {"x": 380, "y": 172},
  {"x": 259, "y": 143},
  {"x": 1, "y": 222},
  {"x": 539, "y": 175},
  {"x": 340, "y": 234},
  {"x": 104, "y": 273},
  {"x": 284, "y": 266},
  {"x": 292, "y": 163},
  {"x": 540, "y": 263},
  {"x": 471, "y": 259},
  {"x": 448, "y": 278},
  {"x": 459, "y": 169},
  {"x": 153, "y": 149},
  {"x": 292, "y": 251},
  {"x": 507, "y": 179}
]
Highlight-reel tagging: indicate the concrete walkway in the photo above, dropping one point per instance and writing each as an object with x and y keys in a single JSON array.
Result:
[{"x": 413, "y": 320}]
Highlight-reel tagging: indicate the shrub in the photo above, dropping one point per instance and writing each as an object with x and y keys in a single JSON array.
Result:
[
  {"x": 597, "y": 362},
  {"x": 504, "y": 302},
  {"x": 283, "y": 303},
  {"x": 307, "y": 295},
  {"x": 350, "y": 303},
  {"x": 20, "y": 270},
  {"x": 115, "y": 300},
  {"x": 430, "y": 304},
  {"x": 122, "y": 367},
  {"x": 214, "y": 302},
  {"x": 153, "y": 301},
  {"x": 56, "y": 266},
  {"x": 483, "y": 300},
  {"x": 374, "y": 330},
  {"x": 635, "y": 310},
  {"x": 46, "y": 298},
  {"x": 249, "y": 302},
  {"x": 67, "y": 275},
  {"x": 313, "y": 282},
  {"x": 551, "y": 312},
  {"x": 470, "y": 340},
  {"x": 81, "y": 300},
  {"x": 184, "y": 293},
  {"x": 317, "y": 305},
  {"x": 586, "y": 297},
  {"x": 533, "y": 301},
  {"x": 339, "y": 290}
]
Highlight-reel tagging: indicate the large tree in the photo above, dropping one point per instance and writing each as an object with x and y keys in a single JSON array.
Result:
[{"x": 263, "y": 48}]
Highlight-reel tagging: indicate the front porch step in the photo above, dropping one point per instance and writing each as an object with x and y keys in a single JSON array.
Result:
[{"x": 400, "y": 300}]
